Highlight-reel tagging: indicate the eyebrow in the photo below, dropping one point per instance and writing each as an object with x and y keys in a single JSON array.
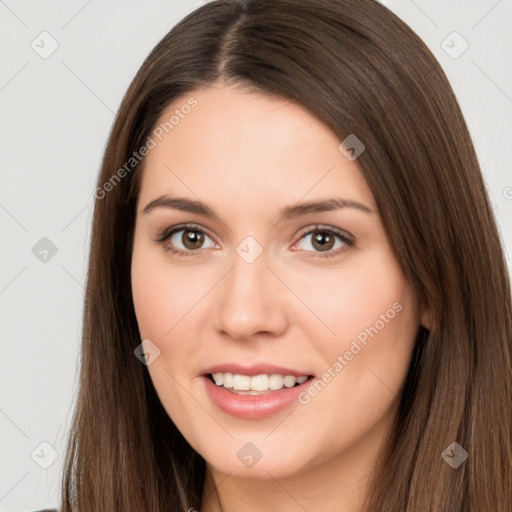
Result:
[{"x": 286, "y": 213}]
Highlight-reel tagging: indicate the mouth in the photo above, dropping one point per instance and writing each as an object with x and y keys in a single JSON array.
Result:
[
  {"x": 254, "y": 391},
  {"x": 261, "y": 384}
]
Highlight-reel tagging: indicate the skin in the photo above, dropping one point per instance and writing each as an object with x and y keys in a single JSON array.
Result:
[{"x": 249, "y": 155}]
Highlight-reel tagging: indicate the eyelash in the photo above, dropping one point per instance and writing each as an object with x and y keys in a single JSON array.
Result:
[{"x": 345, "y": 238}]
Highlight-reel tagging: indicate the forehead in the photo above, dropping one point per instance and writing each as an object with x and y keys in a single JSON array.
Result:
[{"x": 246, "y": 148}]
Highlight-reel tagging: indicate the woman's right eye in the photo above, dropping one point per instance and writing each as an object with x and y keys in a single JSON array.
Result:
[{"x": 184, "y": 240}]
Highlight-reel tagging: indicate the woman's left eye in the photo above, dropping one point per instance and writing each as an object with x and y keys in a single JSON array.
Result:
[
  {"x": 324, "y": 240},
  {"x": 188, "y": 240}
]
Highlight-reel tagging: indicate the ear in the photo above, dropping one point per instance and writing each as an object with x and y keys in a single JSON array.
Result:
[{"x": 426, "y": 316}]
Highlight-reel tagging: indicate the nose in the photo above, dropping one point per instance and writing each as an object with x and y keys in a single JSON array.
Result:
[{"x": 251, "y": 300}]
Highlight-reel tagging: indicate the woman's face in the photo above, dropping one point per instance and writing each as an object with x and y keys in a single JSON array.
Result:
[{"x": 267, "y": 286}]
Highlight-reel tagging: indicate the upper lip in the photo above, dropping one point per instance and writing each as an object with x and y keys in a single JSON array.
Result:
[{"x": 253, "y": 369}]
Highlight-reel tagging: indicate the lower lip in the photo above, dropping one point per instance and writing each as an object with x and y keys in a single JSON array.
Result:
[{"x": 253, "y": 406}]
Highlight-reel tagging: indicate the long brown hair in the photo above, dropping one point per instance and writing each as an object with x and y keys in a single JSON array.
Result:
[{"x": 361, "y": 71}]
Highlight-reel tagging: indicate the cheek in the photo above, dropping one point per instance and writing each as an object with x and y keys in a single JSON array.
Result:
[
  {"x": 162, "y": 293},
  {"x": 151, "y": 298},
  {"x": 375, "y": 320},
  {"x": 164, "y": 299},
  {"x": 169, "y": 303},
  {"x": 373, "y": 313},
  {"x": 373, "y": 316},
  {"x": 367, "y": 289}
]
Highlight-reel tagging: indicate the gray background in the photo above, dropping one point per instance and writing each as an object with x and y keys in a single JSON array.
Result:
[{"x": 57, "y": 112}]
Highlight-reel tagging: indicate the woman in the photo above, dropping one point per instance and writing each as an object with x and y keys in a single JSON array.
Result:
[{"x": 297, "y": 296}]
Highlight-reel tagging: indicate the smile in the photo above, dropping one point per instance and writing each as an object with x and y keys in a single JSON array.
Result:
[
  {"x": 254, "y": 396},
  {"x": 256, "y": 384}
]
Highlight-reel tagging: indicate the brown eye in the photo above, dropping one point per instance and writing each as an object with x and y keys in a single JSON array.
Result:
[
  {"x": 325, "y": 241},
  {"x": 322, "y": 240},
  {"x": 186, "y": 240},
  {"x": 192, "y": 239}
]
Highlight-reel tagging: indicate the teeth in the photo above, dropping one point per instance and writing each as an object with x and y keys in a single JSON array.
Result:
[
  {"x": 276, "y": 381},
  {"x": 259, "y": 383},
  {"x": 272, "y": 382},
  {"x": 219, "y": 378},
  {"x": 241, "y": 382},
  {"x": 226, "y": 380},
  {"x": 289, "y": 381}
]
